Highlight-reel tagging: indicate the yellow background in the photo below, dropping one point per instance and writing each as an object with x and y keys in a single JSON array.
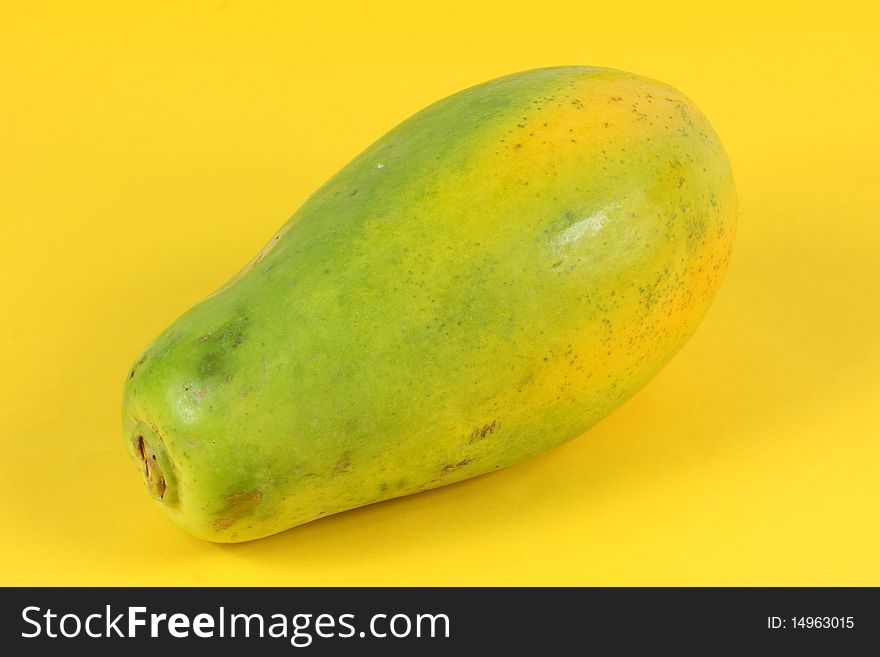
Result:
[{"x": 149, "y": 149}]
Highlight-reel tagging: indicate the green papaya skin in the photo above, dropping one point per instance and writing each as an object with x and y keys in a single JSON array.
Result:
[{"x": 485, "y": 282}]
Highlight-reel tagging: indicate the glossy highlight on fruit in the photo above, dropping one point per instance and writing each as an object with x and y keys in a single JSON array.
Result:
[{"x": 487, "y": 281}]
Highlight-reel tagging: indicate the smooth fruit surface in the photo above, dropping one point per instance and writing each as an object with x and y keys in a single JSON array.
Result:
[{"x": 488, "y": 280}]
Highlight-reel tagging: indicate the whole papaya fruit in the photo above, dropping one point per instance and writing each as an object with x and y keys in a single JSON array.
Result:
[{"x": 488, "y": 280}]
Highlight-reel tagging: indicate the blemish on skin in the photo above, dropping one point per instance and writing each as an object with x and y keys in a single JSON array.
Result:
[
  {"x": 343, "y": 465},
  {"x": 238, "y": 506},
  {"x": 211, "y": 364},
  {"x": 482, "y": 432},
  {"x": 452, "y": 467},
  {"x": 590, "y": 225},
  {"x": 226, "y": 329},
  {"x": 152, "y": 473},
  {"x": 136, "y": 366}
]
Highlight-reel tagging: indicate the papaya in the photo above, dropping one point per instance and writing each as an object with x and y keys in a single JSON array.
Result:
[{"x": 486, "y": 281}]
